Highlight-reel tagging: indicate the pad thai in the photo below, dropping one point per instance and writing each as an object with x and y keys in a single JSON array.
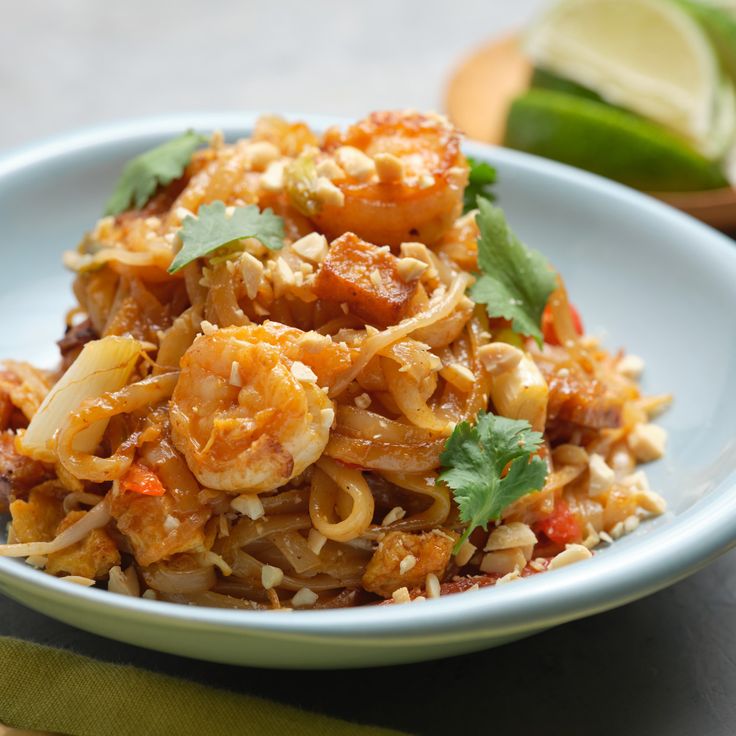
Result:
[{"x": 312, "y": 371}]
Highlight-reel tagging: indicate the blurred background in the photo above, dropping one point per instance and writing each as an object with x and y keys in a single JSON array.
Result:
[{"x": 75, "y": 63}]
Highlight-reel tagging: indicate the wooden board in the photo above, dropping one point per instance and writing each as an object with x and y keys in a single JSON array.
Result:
[{"x": 478, "y": 98}]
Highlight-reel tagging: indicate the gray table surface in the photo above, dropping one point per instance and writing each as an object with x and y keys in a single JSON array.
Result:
[{"x": 665, "y": 665}]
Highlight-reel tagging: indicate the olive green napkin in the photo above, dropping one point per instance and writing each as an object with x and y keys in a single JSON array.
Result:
[{"x": 54, "y": 690}]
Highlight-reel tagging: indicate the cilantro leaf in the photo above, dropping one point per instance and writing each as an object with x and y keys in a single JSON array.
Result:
[
  {"x": 474, "y": 460},
  {"x": 145, "y": 173},
  {"x": 213, "y": 228},
  {"x": 482, "y": 176},
  {"x": 515, "y": 281}
]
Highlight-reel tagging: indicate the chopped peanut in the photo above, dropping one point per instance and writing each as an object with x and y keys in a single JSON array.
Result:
[
  {"x": 410, "y": 269},
  {"x": 396, "y": 514},
  {"x": 401, "y": 595},
  {"x": 460, "y": 376},
  {"x": 273, "y": 178},
  {"x": 260, "y": 154},
  {"x": 329, "y": 169},
  {"x": 499, "y": 357},
  {"x": 508, "y": 536},
  {"x": 271, "y": 577},
  {"x": 572, "y": 553},
  {"x": 408, "y": 563},
  {"x": 432, "y": 586},
  {"x": 326, "y": 193},
  {"x": 313, "y": 247},
  {"x": 304, "y": 598},
  {"x": 316, "y": 541},
  {"x": 602, "y": 475},
  {"x": 419, "y": 252},
  {"x": 647, "y": 442},
  {"x": 251, "y": 270},
  {"x": 631, "y": 366},
  {"x": 503, "y": 561},
  {"x": 249, "y": 505},
  {"x": 355, "y": 163},
  {"x": 465, "y": 553},
  {"x": 388, "y": 167}
]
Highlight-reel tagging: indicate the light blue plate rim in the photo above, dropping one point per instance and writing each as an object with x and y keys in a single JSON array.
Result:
[{"x": 653, "y": 561}]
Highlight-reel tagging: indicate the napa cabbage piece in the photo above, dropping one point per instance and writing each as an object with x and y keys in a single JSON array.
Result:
[{"x": 103, "y": 365}]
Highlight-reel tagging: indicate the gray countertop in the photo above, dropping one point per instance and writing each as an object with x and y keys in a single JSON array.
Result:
[{"x": 665, "y": 665}]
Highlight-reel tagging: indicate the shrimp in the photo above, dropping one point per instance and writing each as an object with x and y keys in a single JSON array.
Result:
[
  {"x": 249, "y": 412},
  {"x": 391, "y": 178}
]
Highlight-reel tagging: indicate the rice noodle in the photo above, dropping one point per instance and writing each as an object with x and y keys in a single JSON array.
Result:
[
  {"x": 286, "y": 502},
  {"x": 407, "y": 395},
  {"x": 196, "y": 292},
  {"x": 294, "y": 548},
  {"x": 443, "y": 305},
  {"x": 438, "y": 511},
  {"x": 150, "y": 391},
  {"x": 328, "y": 481},
  {"x": 211, "y": 599},
  {"x": 177, "y": 340},
  {"x": 170, "y": 579},
  {"x": 376, "y": 455},
  {"x": 81, "y": 262},
  {"x": 247, "y": 531},
  {"x": 246, "y": 566},
  {"x": 222, "y": 301}
]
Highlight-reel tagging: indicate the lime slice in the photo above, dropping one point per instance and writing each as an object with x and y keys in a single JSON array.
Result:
[
  {"x": 608, "y": 141},
  {"x": 722, "y": 137},
  {"x": 648, "y": 56}
]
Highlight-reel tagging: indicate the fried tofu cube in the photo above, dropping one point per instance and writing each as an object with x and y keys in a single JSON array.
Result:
[
  {"x": 91, "y": 557},
  {"x": 36, "y": 519},
  {"x": 366, "y": 278},
  {"x": 430, "y": 551},
  {"x": 154, "y": 528}
]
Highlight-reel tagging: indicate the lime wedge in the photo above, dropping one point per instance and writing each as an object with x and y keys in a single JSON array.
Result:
[
  {"x": 723, "y": 134},
  {"x": 608, "y": 141},
  {"x": 649, "y": 56}
]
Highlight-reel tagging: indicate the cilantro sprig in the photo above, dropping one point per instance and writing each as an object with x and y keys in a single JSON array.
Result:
[
  {"x": 515, "y": 281},
  {"x": 489, "y": 466},
  {"x": 480, "y": 179},
  {"x": 145, "y": 173},
  {"x": 214, "y": 227}
]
